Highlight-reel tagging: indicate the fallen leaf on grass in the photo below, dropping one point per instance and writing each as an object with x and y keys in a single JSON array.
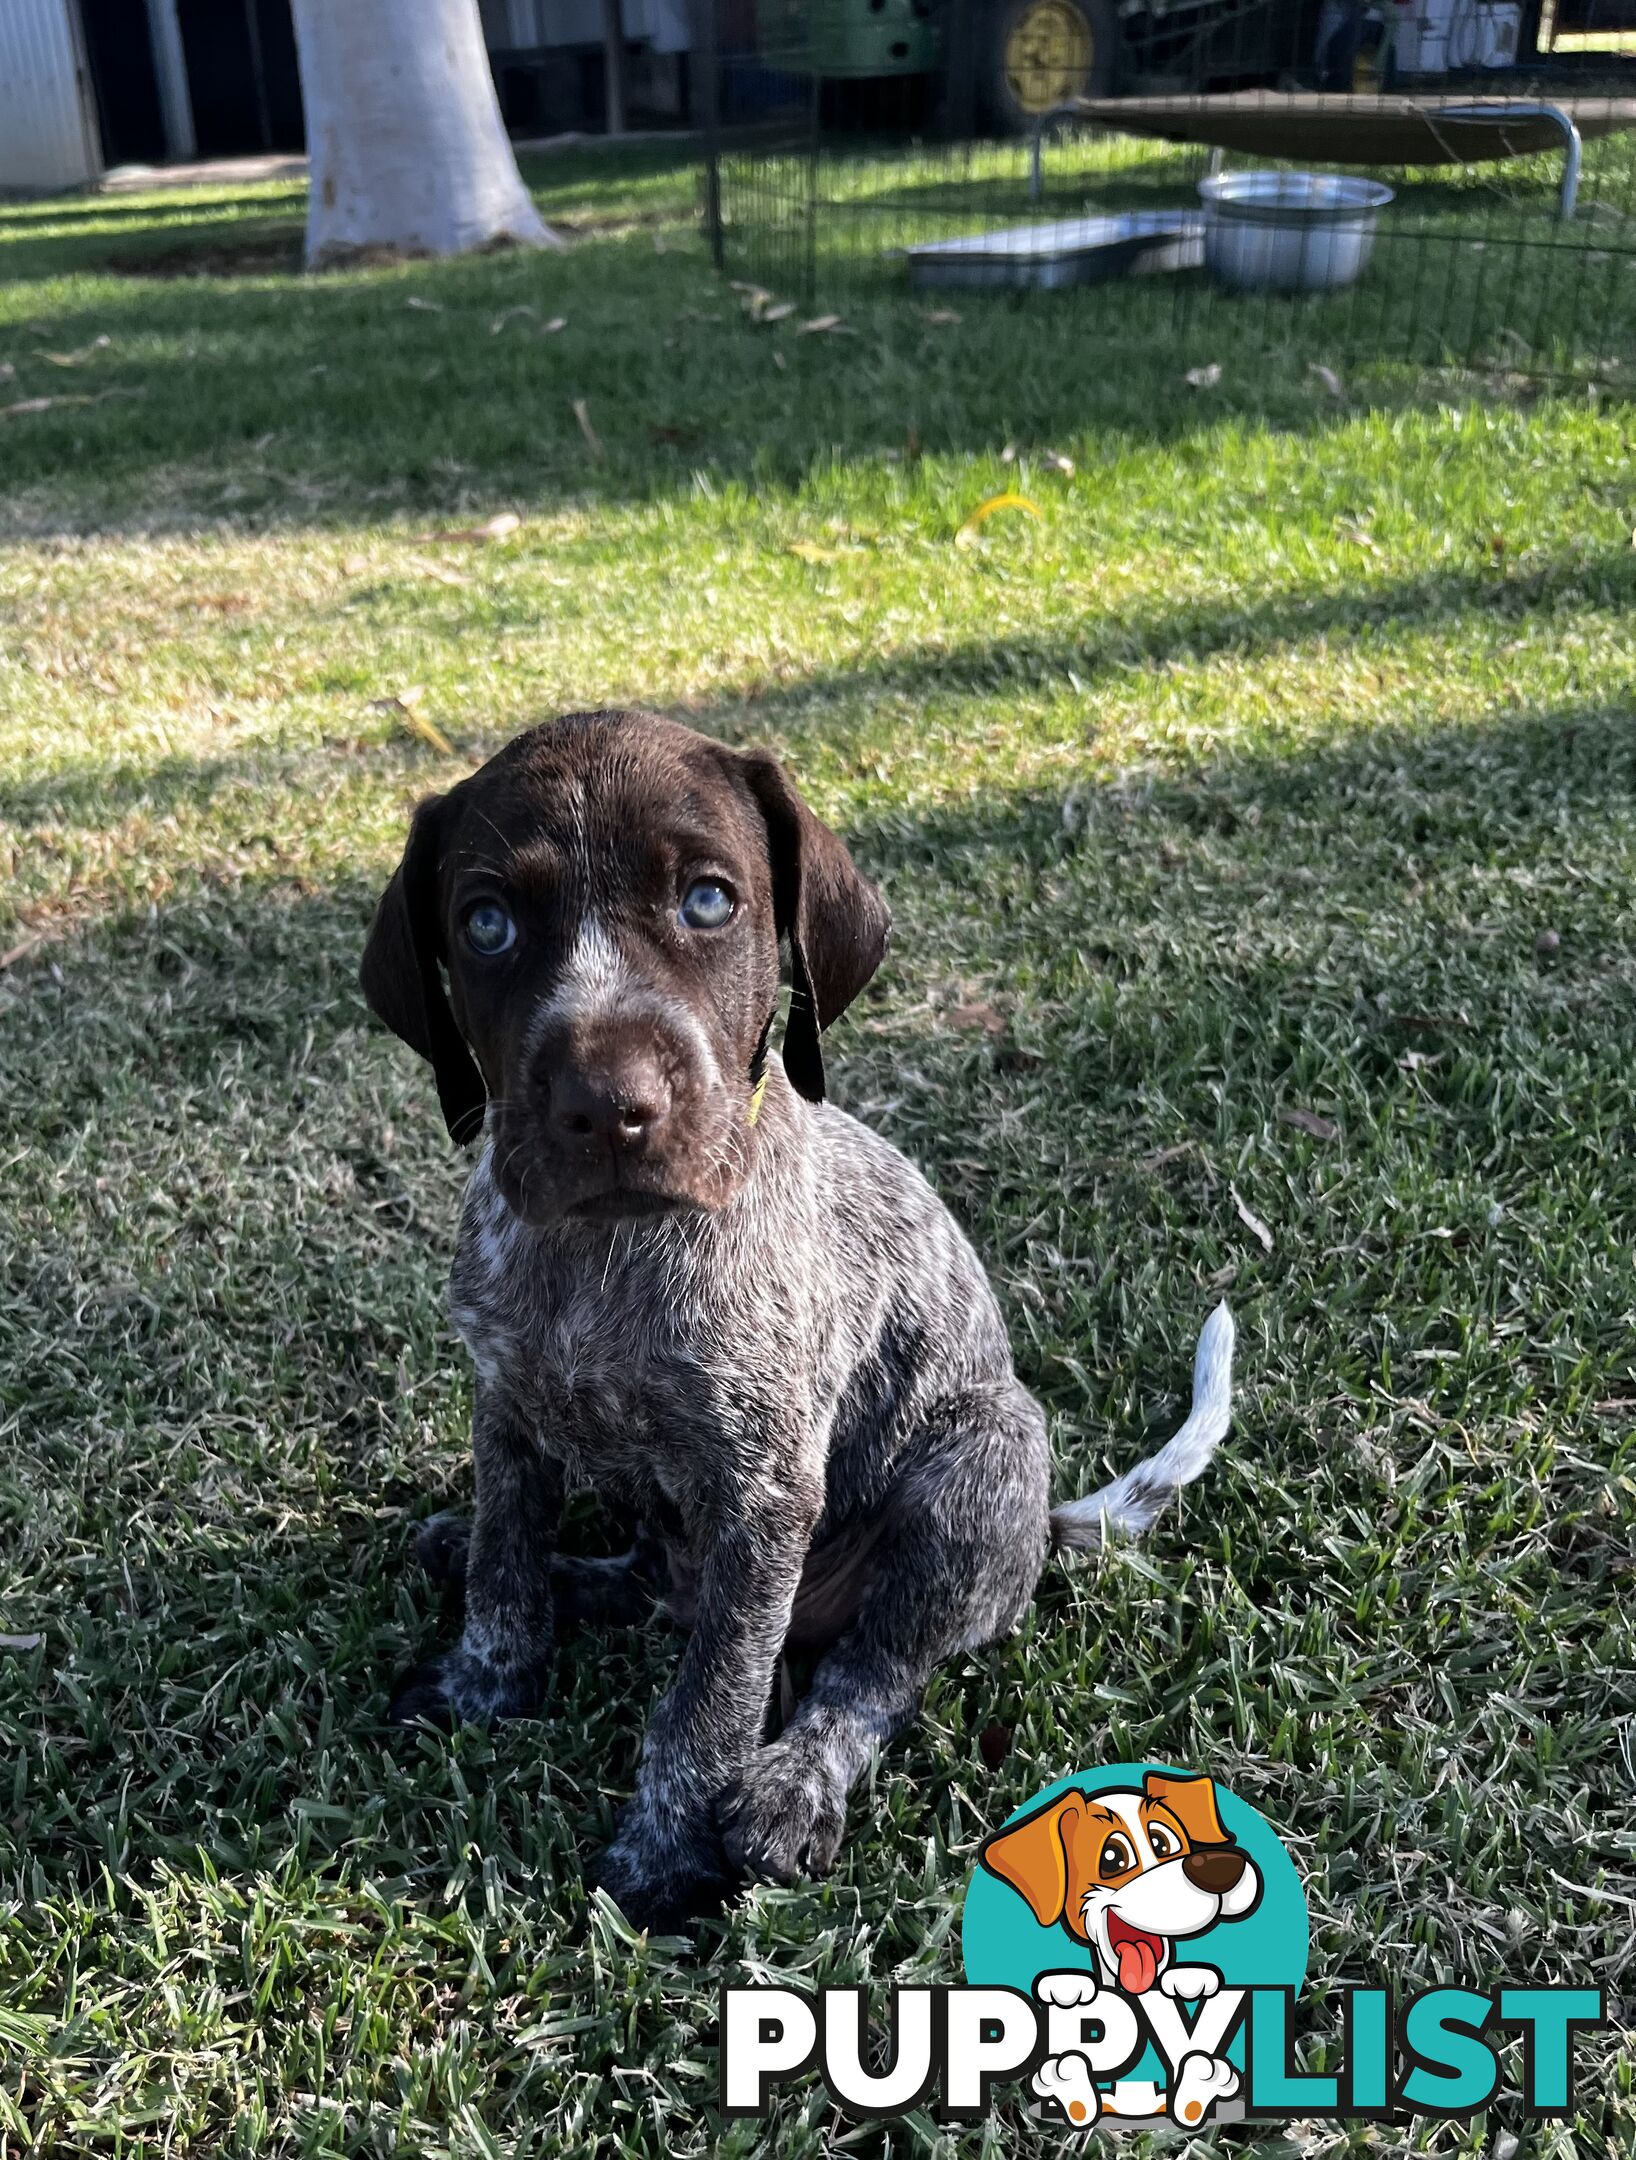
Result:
[
  {"x": 1308, "y": 1121},
  {"x": 831, "y": 325},
  {"x": 582, "y": 413},
  {"x": 1359, "y": 535},
  {"x": 1251, "y": 1221},
  {"x": 756, "y": 300},
  {"x": 550, "y": 329},
  {"x": 44, "y": 404},
  {"x": 406, "y": 707},
  {"x": 1010, "y": 500},
  {"x": 1204, "y": 378},
  {"x": 938, "y": 318},
  {"x": 21, "y": 1642},
  {"x": 1054, "y": 461},
  {"x": 7, "y": 371},
  {"x": 781, "y": 311},
  {"x": 354, "y": 565},
  {"x": 78, "y": 357},
  {"x": 426, "y": 307},
  {"x": 1157, "y": 1159},
  {"x": 440, "y": 576},
  {"x": 499, "y": 527},
  {"x": 1413, "y": 1061},
  {"x": 994, "y": 1744},
  {"x": 511, "y": 314},
  {"x": 19, "y": 951},
  {"x": 1327, "y": 376},
  {"x": 968, "y": 1017},
  {"x": 810, "y": 551}
]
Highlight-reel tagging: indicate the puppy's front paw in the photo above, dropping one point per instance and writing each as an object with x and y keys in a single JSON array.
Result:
[
  {"x": 455, "y": 1688},
  {"x": 785, "y": 1814},
  {"x": 440, "y": 1547},
  {"x": 656, "y": 1886},
  {"x": 1190, "y": 1983}
]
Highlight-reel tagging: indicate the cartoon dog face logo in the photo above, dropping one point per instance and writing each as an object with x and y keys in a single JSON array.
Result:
[{"x": 1131, "y": 1872}]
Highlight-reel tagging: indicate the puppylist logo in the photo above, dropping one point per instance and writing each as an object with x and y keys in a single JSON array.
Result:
[{"x": 1134, "y": 1940}]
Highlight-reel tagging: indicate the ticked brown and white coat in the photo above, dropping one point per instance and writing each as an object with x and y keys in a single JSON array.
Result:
[{"x": 689, "y": 1282}]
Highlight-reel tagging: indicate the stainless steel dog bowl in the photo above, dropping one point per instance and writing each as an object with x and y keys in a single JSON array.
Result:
[{"x": 1289, "y": 231}]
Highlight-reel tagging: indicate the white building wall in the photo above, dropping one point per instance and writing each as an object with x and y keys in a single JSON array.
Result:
[{"x": 48, "y": 137}]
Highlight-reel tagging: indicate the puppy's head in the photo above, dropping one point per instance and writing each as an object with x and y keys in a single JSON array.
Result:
[{"x": 585, "y": 936}]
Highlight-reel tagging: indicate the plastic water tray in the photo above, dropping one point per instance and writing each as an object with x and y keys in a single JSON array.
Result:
[{"x": 1075, "y": 251}]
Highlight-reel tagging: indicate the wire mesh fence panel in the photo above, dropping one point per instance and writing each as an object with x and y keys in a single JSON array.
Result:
[{"x": 1445, "y": 183}]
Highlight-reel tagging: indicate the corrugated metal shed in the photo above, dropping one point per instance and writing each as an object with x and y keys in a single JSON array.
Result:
[{"x": 48, "y": 136}]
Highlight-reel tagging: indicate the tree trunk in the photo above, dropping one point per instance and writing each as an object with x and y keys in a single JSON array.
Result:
[{"x": 404, "y": 133}]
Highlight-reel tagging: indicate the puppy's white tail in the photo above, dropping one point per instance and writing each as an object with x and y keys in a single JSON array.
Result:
[{"x": 1127, "y": 1506}]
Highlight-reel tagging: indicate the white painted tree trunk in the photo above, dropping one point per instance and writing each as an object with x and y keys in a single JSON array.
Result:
[{"x": 404, "y": 132}]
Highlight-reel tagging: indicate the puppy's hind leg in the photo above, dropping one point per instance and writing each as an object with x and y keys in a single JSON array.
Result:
[{"x": 955, "y": 1568}]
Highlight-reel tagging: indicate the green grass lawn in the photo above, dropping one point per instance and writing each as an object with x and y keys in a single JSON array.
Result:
[{"x": 1270, "y": 804}]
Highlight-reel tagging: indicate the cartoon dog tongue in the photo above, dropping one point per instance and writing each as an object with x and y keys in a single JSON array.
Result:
[{"x": 1138, "y": 1957}]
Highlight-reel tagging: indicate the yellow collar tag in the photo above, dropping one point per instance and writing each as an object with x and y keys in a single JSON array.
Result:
[{"x": 756, "y": 1094}]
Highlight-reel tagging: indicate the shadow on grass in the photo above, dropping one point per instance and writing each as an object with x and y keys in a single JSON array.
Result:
[
  {"x": 1102, "y": 645},
  {"x": 227, "y": 1386},
  {"x": 224, "y": 1337},
  {"x": 299, "y": 402}
]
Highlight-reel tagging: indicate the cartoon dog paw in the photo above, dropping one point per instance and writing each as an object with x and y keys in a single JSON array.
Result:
[
  {"x": 1066, "y": 2079},
  {"x": 1190, "y": 1983},
  {"x": 1066, "y": 1990},
  {"x": 1201, "y": 2084}
]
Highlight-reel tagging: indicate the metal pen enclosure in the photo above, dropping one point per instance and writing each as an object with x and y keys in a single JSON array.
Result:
[{"x": 848, "y": 142}]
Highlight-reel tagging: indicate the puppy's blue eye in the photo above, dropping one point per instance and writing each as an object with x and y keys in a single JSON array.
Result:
[
  {"x": 706, "y": 905},
  {"x": 489, "y": 929}
]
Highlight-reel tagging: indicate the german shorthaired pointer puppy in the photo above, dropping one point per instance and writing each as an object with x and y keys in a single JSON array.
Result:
[{"x": 688, "y": 1282}]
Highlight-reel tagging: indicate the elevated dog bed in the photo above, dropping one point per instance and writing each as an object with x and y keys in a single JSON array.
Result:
[
  {"x": 1329, "y": 127},
  {"x": 1332, "y": 128}
]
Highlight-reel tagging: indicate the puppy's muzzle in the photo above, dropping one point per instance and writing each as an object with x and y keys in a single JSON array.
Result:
[{"x": 1213, "y": 1871}]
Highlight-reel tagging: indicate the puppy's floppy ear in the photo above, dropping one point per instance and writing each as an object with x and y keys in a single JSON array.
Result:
[
  {"x": 1032, "y": 1856},
  {"x": 837, "y": 923},
  {"x": 399, "y": 975},
  {"x": 1192, "y": 1800}
]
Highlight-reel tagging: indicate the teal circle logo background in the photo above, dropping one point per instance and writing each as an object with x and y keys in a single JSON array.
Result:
[{"x": 1003, "y": 1945}]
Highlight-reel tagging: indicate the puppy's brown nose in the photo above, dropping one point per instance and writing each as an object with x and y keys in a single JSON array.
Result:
[
  {"x": 1214, "y": 1870},
  {"x": 623, "y": 1104}
]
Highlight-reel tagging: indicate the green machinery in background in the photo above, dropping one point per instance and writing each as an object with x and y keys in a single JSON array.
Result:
[{"x": 1028, "y": 56}]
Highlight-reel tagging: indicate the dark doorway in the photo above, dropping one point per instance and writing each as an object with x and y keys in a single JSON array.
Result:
[
  {"x": 119, "y": 53},
  {"x": 241, "y": 71}
]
